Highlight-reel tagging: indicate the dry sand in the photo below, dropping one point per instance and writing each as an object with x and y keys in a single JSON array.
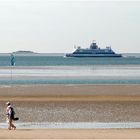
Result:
[{"x": 70, "y": 134}]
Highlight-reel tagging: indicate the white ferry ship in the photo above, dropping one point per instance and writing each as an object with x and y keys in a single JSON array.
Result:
[{"x": 93, "y": 51}]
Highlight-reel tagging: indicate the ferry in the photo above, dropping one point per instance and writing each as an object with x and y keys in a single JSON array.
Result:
[{"x": 93, "y": 51}]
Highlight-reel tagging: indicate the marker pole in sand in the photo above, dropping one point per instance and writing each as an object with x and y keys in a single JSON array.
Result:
[{"x": 12, "y": 62}]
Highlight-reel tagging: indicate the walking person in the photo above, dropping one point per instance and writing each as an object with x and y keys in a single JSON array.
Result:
[{"x": 10, "y": 116}]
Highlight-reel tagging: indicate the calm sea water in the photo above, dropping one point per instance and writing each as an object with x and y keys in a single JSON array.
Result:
[
  {"x": 56, "y": 69},
  {"x": 59, "y": 60}
]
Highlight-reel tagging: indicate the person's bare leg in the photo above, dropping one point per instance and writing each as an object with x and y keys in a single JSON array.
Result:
[
  {"x": 12, "y": 125},
  {"x": 9, "y": 124}
]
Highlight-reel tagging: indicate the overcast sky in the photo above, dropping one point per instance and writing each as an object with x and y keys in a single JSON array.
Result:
[{"x": 51, "y": 26}]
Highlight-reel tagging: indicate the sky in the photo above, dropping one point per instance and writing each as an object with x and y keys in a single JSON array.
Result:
[{"x": 55, "y": 26}]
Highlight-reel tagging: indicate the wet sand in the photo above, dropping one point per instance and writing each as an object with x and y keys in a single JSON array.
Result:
[
  {"x": 74, "y": 111},
  {"x": 73, "y": 103},
  {"x": 78, "y": 92}
]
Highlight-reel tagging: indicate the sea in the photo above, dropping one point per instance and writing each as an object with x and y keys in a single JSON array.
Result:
[{"x": 57, "y": 69}]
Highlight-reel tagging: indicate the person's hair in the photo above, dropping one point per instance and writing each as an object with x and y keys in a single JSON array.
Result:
[{"x": 8, "y": 103}]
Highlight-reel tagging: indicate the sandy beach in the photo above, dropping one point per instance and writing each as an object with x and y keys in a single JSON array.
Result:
[
  {"x": 71, "y": 134},
  {"x": 120, "y": 101},
  {"x": 70, "y": 92}
]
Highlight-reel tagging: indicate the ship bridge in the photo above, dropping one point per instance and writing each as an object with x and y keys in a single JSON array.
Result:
[{"x": 93, "y": 46}]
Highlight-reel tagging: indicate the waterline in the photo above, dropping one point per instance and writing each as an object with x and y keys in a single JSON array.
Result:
[{"x": 77, "y": 125}]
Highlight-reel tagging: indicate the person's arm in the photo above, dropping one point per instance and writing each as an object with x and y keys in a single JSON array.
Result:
[
  {"x": 9, "y": 112},
  {"x": 7, "y": 109}
]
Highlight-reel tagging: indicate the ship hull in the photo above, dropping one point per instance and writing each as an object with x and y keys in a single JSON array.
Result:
[{"x": 92, "y": 55}]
